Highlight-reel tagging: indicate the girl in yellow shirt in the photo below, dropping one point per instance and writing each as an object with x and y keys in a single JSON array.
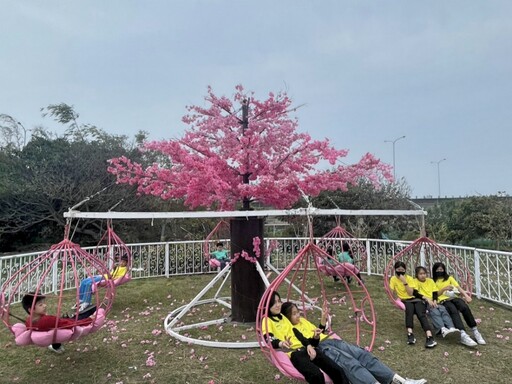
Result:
[
  {"x": 406, "y": 289},
  {"x": 428, "y": 290},
  {"x": 307, "y": 359},
  {"x": 448, "y": 288},
  {"x": 361, "y": 366}
]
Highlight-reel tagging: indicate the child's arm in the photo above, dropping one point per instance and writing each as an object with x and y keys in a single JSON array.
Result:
[
  {"x": 465, "y": 295},
  {"x": 304, "y": 340}
]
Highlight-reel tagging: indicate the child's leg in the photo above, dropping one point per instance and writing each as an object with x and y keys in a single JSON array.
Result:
[
  {"x": 361, "y": 366},
  {"x": 409, "y": 316},
  {"x": 85, "y": 285},
  {"x": 88, "y": 289},
  {"x": 421, "y": 312},
  {"x": 454, "y": 314},
  {"x": 303, "y": 364},
  {"x": 437, "y": 318},
  {"x": 447, "y": 320},
  {"x": 333, "y": 370},
  {"x": 466, "y": 312}
]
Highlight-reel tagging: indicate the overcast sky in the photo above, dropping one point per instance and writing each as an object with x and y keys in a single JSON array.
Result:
[{"x": 438, "y": 72}]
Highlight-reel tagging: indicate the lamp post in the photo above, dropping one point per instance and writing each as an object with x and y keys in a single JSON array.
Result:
[
  {"x": 394, "y": 141},
  {"x": 438, "y": 177}
]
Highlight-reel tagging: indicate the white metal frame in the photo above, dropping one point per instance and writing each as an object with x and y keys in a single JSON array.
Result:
[{"x": 311, "y": 211}]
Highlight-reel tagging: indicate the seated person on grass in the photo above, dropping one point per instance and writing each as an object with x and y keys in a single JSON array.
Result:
[
  {"x": 35, "y": 306},
  {"x": 441, "y": 320},
  {"x": 449, "y": 288},
  {"x": 406, "y": 289},
  {"x": 359, "y": 365},
  {"x": 85, "y": 292}
]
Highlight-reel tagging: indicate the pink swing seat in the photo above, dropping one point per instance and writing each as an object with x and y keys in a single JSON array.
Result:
[
  {"x": 307, "y": 264},
  {"x": 26, "y": 336}
]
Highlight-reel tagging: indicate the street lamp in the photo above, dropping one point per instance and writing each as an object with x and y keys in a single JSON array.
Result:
[
  {"x": 438, "y": 177},
  {"x": 394, "y": 141}
]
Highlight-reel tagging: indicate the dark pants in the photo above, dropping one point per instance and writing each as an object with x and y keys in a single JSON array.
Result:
[
  {"x": 454, "y": 306},
  {"x": 82, "y": 315},
  {"x": 418, "y": 308},
  {"x": 310, "y": 369}
]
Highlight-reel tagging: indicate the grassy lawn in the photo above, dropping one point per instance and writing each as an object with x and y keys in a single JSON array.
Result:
[{"x": 134, "y": 337}]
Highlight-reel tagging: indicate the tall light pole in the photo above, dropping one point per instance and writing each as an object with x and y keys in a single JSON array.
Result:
[
  {"x": 394, "y": 141},
  {"x": 438, "y": 177}
]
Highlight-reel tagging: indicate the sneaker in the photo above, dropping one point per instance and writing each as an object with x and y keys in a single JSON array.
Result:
[
  {"x": 430, "y": 343},
  {"x": 478, "y": 337},
  {"x": 83, "y": 306},
  {"x": 466, "y": 340},
  {"x": 56, "y": 350},
  {"x": 411, "y": 339},
  {"x": 444, "y": 331},
  {"x": 412, "y": 381},
  {"x": 453, "y": 330}
]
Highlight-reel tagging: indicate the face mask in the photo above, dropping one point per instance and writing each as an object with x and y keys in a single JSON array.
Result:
[
  {"x": 398, "y": 273},
  {"x": 438, "y": 274}
]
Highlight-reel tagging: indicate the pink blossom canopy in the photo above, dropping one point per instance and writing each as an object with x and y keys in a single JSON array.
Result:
[{"x": 207, "y": 166}]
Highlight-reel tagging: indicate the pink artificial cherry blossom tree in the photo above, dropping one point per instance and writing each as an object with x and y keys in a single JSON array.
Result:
[{"x": 237, "y": 151}]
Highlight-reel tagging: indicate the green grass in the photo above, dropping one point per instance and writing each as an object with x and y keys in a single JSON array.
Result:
[{"x": 119, "y": 351}]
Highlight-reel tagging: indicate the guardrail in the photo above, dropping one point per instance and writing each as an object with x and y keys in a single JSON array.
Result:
[{"x": 491, "y": 270}]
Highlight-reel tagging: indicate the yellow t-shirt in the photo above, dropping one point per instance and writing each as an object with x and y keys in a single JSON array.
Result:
[
  {"x": 426, "y": 288},
  {"x": 280, "y": 329},
  {"x": 396, "y": 285},
  {"x": 440, "y": 283},
  {"x": 307, "y": 328},
  {"x": 117, "y": 272}
]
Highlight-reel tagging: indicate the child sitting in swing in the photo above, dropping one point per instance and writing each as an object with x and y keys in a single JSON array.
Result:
[
  {"x": 85, "y": 293},
  {"x": 359, "y": 365},
  {"x": 35, "y": 306},
  {"x": 220, "y": 255}
]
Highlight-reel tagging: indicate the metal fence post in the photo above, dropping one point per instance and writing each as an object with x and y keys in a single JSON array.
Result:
[
  {"x": 167, "y": 260},
  {"x": 478, "y": 284},
  {"x": 368, "y": 258}
]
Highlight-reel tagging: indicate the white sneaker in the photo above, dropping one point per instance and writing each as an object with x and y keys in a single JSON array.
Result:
[
  {"x": 412, "y": 381},
  {"x": 478, "y": 337},
  {"x": 83, "y": 306},
  {"x": 466, "y": 340},
  {"x": 444, "y": 331},
  {"x": 453, "y": 330}
]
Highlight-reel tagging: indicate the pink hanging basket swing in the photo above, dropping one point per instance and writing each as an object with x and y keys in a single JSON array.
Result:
[
  {"x": 221, "y": 233},
  {"x": 56, "y": 275},
  {"x": 338, "y": 238},
  {"x": 426, "y": 252},
  {"x": 110, "y": 250},
  {"x": 352, "y": 315}
]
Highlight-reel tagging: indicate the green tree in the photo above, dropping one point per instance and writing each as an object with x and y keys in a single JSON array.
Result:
[
  {"x": 39, "y": 181},
  {"x": 365, "y": 196}
]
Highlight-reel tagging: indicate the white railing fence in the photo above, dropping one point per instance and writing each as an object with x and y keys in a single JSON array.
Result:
[{"x": 491, "y": 270}]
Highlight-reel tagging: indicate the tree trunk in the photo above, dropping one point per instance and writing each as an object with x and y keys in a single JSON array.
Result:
[{"x": 247, "y": 287}]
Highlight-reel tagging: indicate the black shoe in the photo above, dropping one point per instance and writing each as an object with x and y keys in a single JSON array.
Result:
[
  {"x": 430, "y": 343},
  {"x": 411, "y": 339}
]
